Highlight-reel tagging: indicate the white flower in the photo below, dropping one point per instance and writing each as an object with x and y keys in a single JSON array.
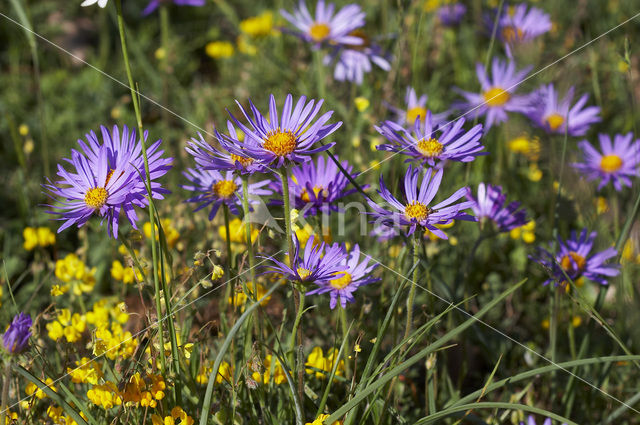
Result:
[{"x": 101, "y": 3}]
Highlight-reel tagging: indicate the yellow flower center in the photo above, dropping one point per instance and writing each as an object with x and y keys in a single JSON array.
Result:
[
  {"x": 566, "y": 263},
  {"x": 242, "y": 160},
  {"x": 610, "y": 163},
  {"x": 96, "y": 197},
  {"x": 280, "y": 143},
  {"x": 341, "y": 282},
  {"x": 429, "y": 147},
  {"x": 414, "y": 113},
  {"x": 496, "y": 96},
  {"x": 319, "y": 31},
  {"x": 511, "y": 34},
  {"x": 554, "y": 121},
  {"x": 224, "y": 188},
  {"x": 303, "y": 273},
  {"x": 320, "y": 192},
  {"x": 416, "y": 210}
]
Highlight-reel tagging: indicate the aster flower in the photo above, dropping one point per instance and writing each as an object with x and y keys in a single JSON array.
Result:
[
  {"x": 289, "y": 137},
  {"x": 345, "y": 283},
  {"x": 423, "y": 143},
  {"x": 415, "y": 107},
  {"x": 520, "y": 23},
  {"x": 319, "y": 263},
  {"x": 109, "y": 178},
  {"x": 101, "y": 3},
  {"x": 451, "y": 14},
  {"x": 574, "y": 259},
  {"x": 315, "y": 187},
  {"x": 490, "y": 204},
  {"x": 554, "y": 115},
  {"x": 616, "y": 163},
  {"x": 498, "y": 94},
  {"x": 325, "y": 26},
  {"x": 354, "y": 61},
  {"x": 416, "y": 212},
  {"x": 215, "y": 188},
  {"x": 154, "y": 4},
  {"x": 16, "y": 338}
]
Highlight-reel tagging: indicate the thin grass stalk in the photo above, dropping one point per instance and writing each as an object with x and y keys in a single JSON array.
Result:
[
  {"x": 230, "y": 288},
  {"x": 412, "y": 291},
  {"x": 247, "y": 229}
]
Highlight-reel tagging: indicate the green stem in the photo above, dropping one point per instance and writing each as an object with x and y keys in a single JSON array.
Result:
[
  {"x": 4, "y": 406},
  {"x": 345, "y": 335},
  {"x": 247, "y": 229},
  {"x": 317, "y": 63},
  {"x": 230, "y": 289},
  {"x": 412, "y": 291}
]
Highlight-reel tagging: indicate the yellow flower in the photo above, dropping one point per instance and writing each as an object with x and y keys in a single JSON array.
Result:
[
  {"x": 217, "y": 272},
  {"x": 362, "y": 103},
  {"x": 237, "y": 231},
  {"x": 126, "y": 275},
  {"x": 170, "y": 233},
  {"x": 529, "y": 147},
  {"x": 57, "y": 290},
  {"x": 304, "y": 233},
  {"x": 55, "y": 330},
  {"x": 202, "y": 377},
  {"x": 86, "y": 372},
  {"x": 320, "y": 421},
  {"x": 23, "y": 129},
  {"x": 40, "y": 236},
  {"x": 33, "y": 389},
  {"x": 258, "y": 26},
  {"x": 240, "y": 298},
  {"x": 535, "y": 173},
  {"x": 278, "y": 373},
  {"x": 105, "y": 395},
  {"x": 225, "y": 373},
  {"x": 525, "y": 232},
  {"x": 602, "y": 206},
  {"x": 623, "y": 66},
  {"x": 317, "y": 360},
  {"x": 219, "y": 49},
  {"x": 145, "y": 392},
  {"x": 432, "y": 236}
]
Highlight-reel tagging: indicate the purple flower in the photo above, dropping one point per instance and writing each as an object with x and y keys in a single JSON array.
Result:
[
  {"x": 320, "y": 262},
  {"x": 289, "y": 137},
  {"x": 415, "y": 107},
  {"x": 416, "y": 210},
  {"x": 345, "y": 283},
  {"x": 315, "y": 187},
  {"x": 426, "y": 146},
  {"x": 213, "y": 188},
  {"x": 154, "y": 4},
  {"x": 574, "y": 259},
  {"x": 451, "y": 14},
  {"x": 16, "y": 338},
  {"x": 490, "y": 204},
  {"x": 531, "y": 421},
  {"x": 554, "y": 115},
  {"x": 498, "y": 93},
  {"x": 325, "y": 26},
  {"x": 355, "y": 61},
  {"x": 520, "y": 24},
  {"x": 616, "y": 163},
  {"x": 108, "y": 178}
]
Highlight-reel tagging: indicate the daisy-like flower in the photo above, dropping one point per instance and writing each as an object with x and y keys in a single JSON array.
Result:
[
  {"x": 319, "y": 263},
  {"x": 109, "y": 177},
  {"x": 154, "y": 4},
  {"x": 498, "y": 94},
  {"x": 287, "y": 138},
  {"x": 424, "y": 144},
  {"x": 615, "y": 164},
  {"x": 345, "y": 283},
  {"x": 451, "y": 14},
  {"x": 415, "y": 211},
  {"x": 215, "y": 188},
  {"x": 574, "y": 258},
  {"x": 16, "y": 338},
  {"x": 315, "y": 187},
  {"x": 415, "y": 107},
  {"x": 101, "y": 3},
  {"x": 554, "y": 115},
  {"x": 325, "y": 26},
  {"x": 490, "y": 205},
  {"x": 354, "y": 61},
  {"x": 520, "y": 24}
]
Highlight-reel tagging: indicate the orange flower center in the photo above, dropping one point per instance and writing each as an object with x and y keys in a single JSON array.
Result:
[
  {"x": 573, "y": 258},
  {"x": 342, "y": 282},
  {"x": 496, "y": 96},
  {"x": 224, "y": 188},
  {"x": 242, "y": 160},
  {"x": 280, "y": 143},
  {"x": 320, "y": 192},
  {"x": 610, "y": 163},
  {"x": 429, "y": 147},
  {"x": 554, "y": 121},
  {"x": 511, "y": 34},
  {"x": 319, "y": 31},
  {"x": 416, "y": 210}
]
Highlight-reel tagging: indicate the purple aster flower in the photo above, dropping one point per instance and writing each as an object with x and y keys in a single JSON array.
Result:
[
  {"x": 355, "y": 61},
  {"x": 616, "y": 163},
  {"x": 154, "y": 4},
  {"x": 325, "y": 26},
  {"x": 415, "y": 107},
  {"x": 315, "y": 187},
  {"x": 319, "y": 263},
  {"x": 426, "y": 146},
  {"x": 289, "y": 137},
  {"x": 554, "y": 115},
  {"x": 490, "y": 204},
  {"x": 214, "y": 188},
  {"x": 16, "y": 338},
  {"x": 498, "y": 93},
  {"x": 574, "y": 259},
  {"x": 345, "y": 283},
  {"x": 451, "y": 14},
  {"x": 384, "y": 233},
  {"x": 520, "y": 24},
  {"x": 416, "y": 211},
  {"x": 108, "y": 178}
]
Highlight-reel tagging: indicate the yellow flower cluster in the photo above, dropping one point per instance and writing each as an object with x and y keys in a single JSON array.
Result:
[
  {"x": 525, "y": 232},
  {"x": 145, "y": 391},
  {"x": 33, "y": 391},
  {"x": 526, "y": 146},
  {"x": 202, "y": 377},
  {"x": 258, "y": 26},
  {"x": 304, "y": 233},
  {"x": 170, "y": 232},
  {"x": 126, "y": 275},
  {"x": 105, "y": 395},
  {"x": 70, "y": 326},
  {"x": 278, "y": 373},
  {"x": 320, "y": 421},
  {"x": 38, "y": 236},
  {"x": 72, "y": 270},
  {"x": 225, "y": 373},
  {"x": 86, "y": 372},
  {"x": 240, "y": 298},
  {"x": 114, "y": 342},
  {"x": 177, "y": 414},
  {"x": 251, "y": 28},
  {"x": 319, "y": 362},
  {"x": 237, "y": 231},
  {"x": 55, "y": 413},
  {"x": 219, "y": 49},
  {"x": 630, "y": 252}
]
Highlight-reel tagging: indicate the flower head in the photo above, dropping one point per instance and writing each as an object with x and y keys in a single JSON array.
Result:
[
  {"x": 615, "y": 163},
  {"x": 16, "y": 338},
  {"x": 490, "y": 204},
  {"x": 345, "y": 283},
  {"x": 423, "y": 143},
  {"x": 554, "y": 115},
  {"x": 415, "y": 211},
  {"x": 154, "y": 4},
  {"x": 289, "y": 137},
  {"x": 520, "y": 23},
  {"x": 451, "y": 14},
  {"x": 413, "y": 108},
  {"x": 532, "y": 421},
  {"x": 352, "y": 62}
]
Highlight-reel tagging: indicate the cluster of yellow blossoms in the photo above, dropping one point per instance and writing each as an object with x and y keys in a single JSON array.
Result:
[
  {"x": 86, "y": 372},
  {"x": 55, "y": 413},
  {"x": 170, "y": 233},
  {"x": 239, "y": 298},
  {"x": 320, "y": 363},
  {"x": 278, "y": 372},
  {"x": 139, "y": 391},
  {"x": 530, "y": 148},
  {"x": 320, "y": 421},
  {"x": 526, "y": 232},
  {"x": 256, "y": 27},
  {"x": 38, "y": 236},
  {"x": 177, "y": 414},
  {"x": 75, "y": 275}
]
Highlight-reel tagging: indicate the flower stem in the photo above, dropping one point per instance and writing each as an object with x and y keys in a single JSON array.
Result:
[
  {"x": 412, "y": 291},
  {"x": 227, "y": 229},
  {"x": 4, "y": 405},
  {"x": 247, "y": 230},
  {"x": 317, "y": 63}
]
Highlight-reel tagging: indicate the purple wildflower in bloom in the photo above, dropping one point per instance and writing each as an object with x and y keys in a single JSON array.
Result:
[
  {"x": 451, "y": 14},
  {"x": 416, "y": 212},
  {"x": 154, "y": 4},
  {"x": 415, "y": 107},
  {"x": 490, "y": 205},
  {"x": 109, "y": 177},
  {"x": 16, "y": 338},
  {"x": 384, "y": 233},
  {"x": 325, "y": 26},
  {"x": 215, "y": 188},
  {"x": 289, "y": 137},
  {"x": 574, "y": 259},
  {"x": 345, "y": 283},
  {"x": 520, "y": 23},
  {"x": 315, "y": 187},
  {"x": 554, "y": 115},
  {"x": 423, "y": 143},
  {"x": 617, "y": 162},
  {"x": 354, "y": 61},
  {"x": 498, "y": 93},
  {"x": 319, "y": 263}
]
